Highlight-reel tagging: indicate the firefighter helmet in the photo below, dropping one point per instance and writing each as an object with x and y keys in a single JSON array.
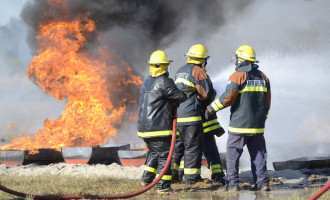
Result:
[
  {"x": 159, "y": 57},
  {"x": 246, "y": 52},
  {"x": 158, "y": 63},
  {"x": 198, "y": 51}
]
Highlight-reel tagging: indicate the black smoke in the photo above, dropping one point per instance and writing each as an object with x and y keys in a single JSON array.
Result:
[{"x": 133, "y": 29}]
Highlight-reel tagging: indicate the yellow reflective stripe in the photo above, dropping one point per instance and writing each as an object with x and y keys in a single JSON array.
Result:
[
  {"x": 216, "y": 171},
  {"x": 210, "y": 122},
  {"x": 184, "y": 81},
  {"x": 217, "y": 101},
  {"x": 254, "y": 89},
  {"x": 217, "y": 166},
  {"x": 189, "y": 119},
  {"x": 165, "y": 177},
  {"x": 216, "y": 105},
  {"x": 267, "y": 113},
  {"x": 211, "y": 128},
  {"x": 181, "y": 164},
  {"x": 192, "y": 171},
  {"x": 175, "y": 167},
  {"x": 156, "y": 133},
  {"x": 246, "y": 130},
  {"x": 150, "y": 169}
]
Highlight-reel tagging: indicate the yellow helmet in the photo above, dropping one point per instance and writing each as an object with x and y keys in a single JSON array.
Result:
[
  {"x": 159, "y": 57},
  {"x": 158, "y": 63},
  {"x": 246, "y": 52},
  {"x": 198, "y": 51}
]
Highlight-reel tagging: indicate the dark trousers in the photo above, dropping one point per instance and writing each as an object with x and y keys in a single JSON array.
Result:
[
  {"x": 212, "y": 156},
  {"x": 192, "y": 139},
  {"x": 258, "y": 154},
  {"x": 178, "y": 151},
  {"x": 178, "y": 168},
  {"x": 159, "y": 149}
]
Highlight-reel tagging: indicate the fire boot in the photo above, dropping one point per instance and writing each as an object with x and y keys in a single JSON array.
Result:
[
  {"x": 233, "y": 188},
  {"x": 164, "y": 190},
  {"x": 261, "y": 187},
  {"x": 175, "y": 176},
  {"x": 219, "y": 178},
  {"x": 198, "y": 181}
]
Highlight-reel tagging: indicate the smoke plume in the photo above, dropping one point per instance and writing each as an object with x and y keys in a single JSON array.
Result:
[{"x": 133, "y": 29}]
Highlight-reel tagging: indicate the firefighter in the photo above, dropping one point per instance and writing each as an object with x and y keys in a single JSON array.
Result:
[
  {"x": 189, "y": 122},
  {"x": 158, "y": 96},
  {"x": 211, "y": 127},
  {"x": 248, "y": 94}
]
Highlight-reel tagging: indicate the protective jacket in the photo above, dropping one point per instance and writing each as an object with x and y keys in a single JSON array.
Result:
[
  {"x": 248, "y": 94},
  {"x": 156, "y": 105},
  {"x": 192, "y": 76}
]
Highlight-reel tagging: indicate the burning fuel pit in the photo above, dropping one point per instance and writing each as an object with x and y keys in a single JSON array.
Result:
[
  {"x": 303, "y": 163},
  {"x": 41, "y": 157},
  {"x": 104, "y": 154},
  {"x": 132, "y": 157}
]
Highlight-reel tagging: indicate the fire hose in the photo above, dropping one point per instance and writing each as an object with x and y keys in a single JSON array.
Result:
[
  {"x": 320, "y": 192},
  {"x": 124, "y": 196}
]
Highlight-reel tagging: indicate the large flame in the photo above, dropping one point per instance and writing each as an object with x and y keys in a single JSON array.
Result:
[{"x": 96, "y": 89}]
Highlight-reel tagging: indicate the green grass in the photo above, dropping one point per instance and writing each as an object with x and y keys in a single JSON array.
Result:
[{"x": 67, "y": 185}]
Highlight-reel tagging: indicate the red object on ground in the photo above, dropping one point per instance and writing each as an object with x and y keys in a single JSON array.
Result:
[
  {"x": 10, "y": 163},
  {"x": 125, "y": 196},
  {"x": 320, "y": 192},
  {"x": 76, "y": 161},
  {"x": 137, "y": 162}
]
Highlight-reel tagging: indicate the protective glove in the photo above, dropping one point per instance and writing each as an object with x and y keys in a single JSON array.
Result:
[{"x": 221, "y": 132}]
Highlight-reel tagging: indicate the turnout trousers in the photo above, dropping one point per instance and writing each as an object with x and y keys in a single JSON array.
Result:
[
  {"x": 159, "y": 149},
  {"x": 212, "y": 156},
  {"x": 258, "y": 155},
  {"x": 178, "y": 165},
  {"x": 192, "y": 139}
]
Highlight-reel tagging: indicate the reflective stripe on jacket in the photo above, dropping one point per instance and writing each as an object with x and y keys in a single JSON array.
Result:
[
  {"x": 248, "y": 94},
  {"x": 156, "y": 105},
  {"x": 192, "y": 76},
  {"x": 211, "y": 126}
]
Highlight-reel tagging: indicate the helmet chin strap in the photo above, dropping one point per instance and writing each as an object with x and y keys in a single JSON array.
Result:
[
  {"x": 238, "y": 61},
  {"x": 204, "y": 65}
]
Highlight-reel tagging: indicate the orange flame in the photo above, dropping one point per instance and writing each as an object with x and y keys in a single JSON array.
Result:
[
  {"x": 10, "y": 127},
  {"x": 64, "y": 69}
]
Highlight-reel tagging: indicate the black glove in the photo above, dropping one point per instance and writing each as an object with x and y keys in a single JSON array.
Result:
[{"x": 221, "y": 132}]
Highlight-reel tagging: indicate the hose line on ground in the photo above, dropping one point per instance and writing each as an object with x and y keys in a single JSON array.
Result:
[
  {"x": 124, "y": 196},
  {"x": 320, "y": 192}
]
